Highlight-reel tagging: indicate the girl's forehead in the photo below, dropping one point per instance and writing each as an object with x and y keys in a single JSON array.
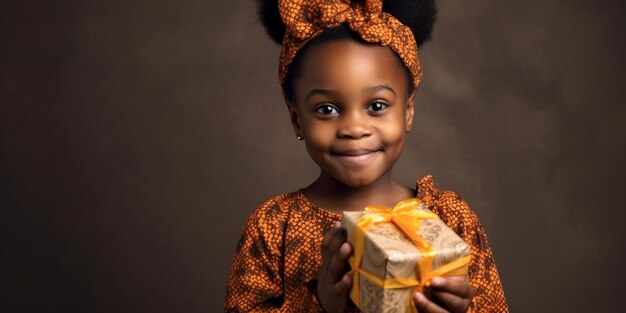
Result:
[
  {"x": 350, "y": 64},
  {"x": 347, "y": 50}
]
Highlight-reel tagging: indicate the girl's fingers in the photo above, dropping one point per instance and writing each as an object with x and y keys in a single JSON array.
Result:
[
  {"x": 332, "y": 283},
  {"x": 333, "y": 257},
  {"x": 337, "y": 264},
  {"x": 328, "y": 238},
  {"x": 336, "y": 233},
  {"x": 325, "y": 243},
  {"x": 452, "y": 292},
  {"x": 456, "y": 285},
  {"x": 425, "y": 305},
  {"x": 451, "y": 301},
  {"x": 335, "y": 243},
  {"x": 343, "y": 285}
]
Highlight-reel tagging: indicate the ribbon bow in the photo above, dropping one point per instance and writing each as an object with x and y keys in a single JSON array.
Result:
[
  {"x": 406, "y": 218},
  {"x": 306, "y": 19}
]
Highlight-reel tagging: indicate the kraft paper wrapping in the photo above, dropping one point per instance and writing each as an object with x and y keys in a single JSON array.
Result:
[{"x": 389, "y": 253}]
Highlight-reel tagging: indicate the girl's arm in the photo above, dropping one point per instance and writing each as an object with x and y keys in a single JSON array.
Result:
[
  {"x": 483, "y": 274},
  {"x": 255, "y": 281},
  {"x": 258, "y": 280}
]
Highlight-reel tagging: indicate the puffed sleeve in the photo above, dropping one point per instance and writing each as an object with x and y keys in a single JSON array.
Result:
[
  {"x": 257, "y": 280},
  {"x": 483, "y": 274}
]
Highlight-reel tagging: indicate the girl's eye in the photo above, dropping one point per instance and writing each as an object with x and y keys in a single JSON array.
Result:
[
  {"x": 377, "y": 106},
  {"x": 326, "y": 109}
]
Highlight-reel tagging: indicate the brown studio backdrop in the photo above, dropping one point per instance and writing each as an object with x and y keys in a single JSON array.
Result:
[{"x": 137, "y": 136}]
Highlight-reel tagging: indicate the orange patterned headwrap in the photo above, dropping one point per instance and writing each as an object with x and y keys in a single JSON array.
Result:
[{"x": 306, "y": 19}]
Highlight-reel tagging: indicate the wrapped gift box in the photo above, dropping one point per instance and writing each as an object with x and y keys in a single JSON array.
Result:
[{"x": 401, "y": 250}]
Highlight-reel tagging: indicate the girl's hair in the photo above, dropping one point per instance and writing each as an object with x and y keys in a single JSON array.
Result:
[{"x": 418, "y": 15}]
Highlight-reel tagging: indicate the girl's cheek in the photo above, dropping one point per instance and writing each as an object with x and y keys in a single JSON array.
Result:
[
  {"x": 393, "y": 131},
  {"x": 320, "y": 129}
]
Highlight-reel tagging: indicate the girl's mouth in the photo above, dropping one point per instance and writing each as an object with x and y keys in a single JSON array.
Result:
[{"x": 356, "y": 157}]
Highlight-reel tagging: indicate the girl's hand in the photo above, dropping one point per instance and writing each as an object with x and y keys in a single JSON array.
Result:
[
  {"x": 332, "y": 282},
  {"x": 450, "y": 294}
]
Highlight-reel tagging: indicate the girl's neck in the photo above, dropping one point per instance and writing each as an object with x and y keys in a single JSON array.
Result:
[{"x": 332, "y": 195}]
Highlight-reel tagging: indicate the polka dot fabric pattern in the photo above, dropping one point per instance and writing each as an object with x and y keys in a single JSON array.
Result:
[
  {"x": 279, "y": 253},
  {"x": 306, "y": 19}
]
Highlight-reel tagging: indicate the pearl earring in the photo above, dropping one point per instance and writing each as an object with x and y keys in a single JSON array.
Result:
[{"x": 300, "y": 137}]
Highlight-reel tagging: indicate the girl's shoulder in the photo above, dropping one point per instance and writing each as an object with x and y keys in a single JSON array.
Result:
[
  {"x": 276, "y": 208},
  {"x": 281, "y": 209},
  {"x": 288, "y": 214},
  {"x": 266, "y": 225},
  {"x": 448, "y": 205}
]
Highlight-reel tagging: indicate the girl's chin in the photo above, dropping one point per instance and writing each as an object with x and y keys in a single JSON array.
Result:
[
  {"x": 354, "y": 179},
  {"x": 358, "y": 182}
]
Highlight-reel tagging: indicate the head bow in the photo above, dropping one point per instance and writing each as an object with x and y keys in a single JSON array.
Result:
[{"x": 306, "y": 19}]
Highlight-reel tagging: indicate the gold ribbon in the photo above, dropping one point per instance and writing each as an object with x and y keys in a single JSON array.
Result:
[{"x": 405, "y": 217}]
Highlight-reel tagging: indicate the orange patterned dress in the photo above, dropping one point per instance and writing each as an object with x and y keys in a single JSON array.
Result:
[{"x": 278, "y": 256}]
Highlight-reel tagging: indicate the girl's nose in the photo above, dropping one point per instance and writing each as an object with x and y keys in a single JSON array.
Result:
[{"x": 353, "y": 126}]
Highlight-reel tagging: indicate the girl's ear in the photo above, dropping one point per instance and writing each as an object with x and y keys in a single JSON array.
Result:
[
  {"x": 295, "y": 118},
  {"x": 410, "y": 110}
]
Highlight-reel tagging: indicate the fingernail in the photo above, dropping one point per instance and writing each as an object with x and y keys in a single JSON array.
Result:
[
  {"x": 337, "y": 224},
  {"x": 346, "y": 245},
  {"x": 346, "y": 278},
  {"x": 419, "y": 297},
  {"x": 437, "y": 281}
]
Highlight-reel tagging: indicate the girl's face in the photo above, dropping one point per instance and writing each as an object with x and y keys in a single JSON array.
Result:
[{"x": 353, "y": 109}]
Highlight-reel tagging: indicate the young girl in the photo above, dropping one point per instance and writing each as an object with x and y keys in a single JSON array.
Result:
[{"x": 349, "y": 71}]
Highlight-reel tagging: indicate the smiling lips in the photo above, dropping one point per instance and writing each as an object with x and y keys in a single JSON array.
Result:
[{"x": 356, "y": 157}]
